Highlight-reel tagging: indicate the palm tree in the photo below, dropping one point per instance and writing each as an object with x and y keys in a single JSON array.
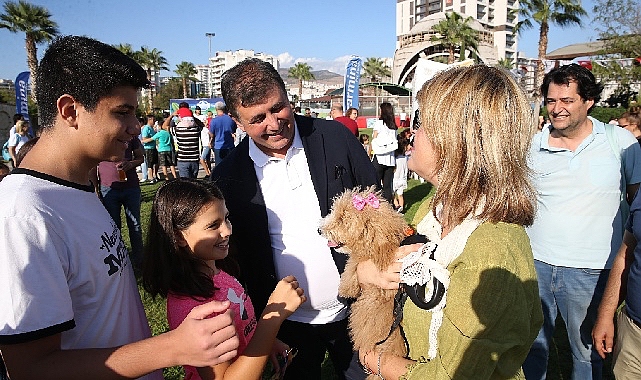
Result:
[
  {"x": 544, "y": 13},
  {"x": 301, "y": 71},
  {"x": 455, "y": 31},
  {"x": 505, "y": 63},
  {"x": 375, "y": 69},
  {"x": 36, "y": 23},
  {"x": 127, "y": 50},
  {"x": 186, "y": 71},
  {"x": 153, "y": 61}
]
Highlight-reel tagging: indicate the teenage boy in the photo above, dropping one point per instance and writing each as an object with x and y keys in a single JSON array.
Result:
[{"x": 70, "y": 305}]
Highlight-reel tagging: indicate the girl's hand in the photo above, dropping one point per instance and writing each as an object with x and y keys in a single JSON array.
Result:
[
  {"x": 286, "y": 298},
  {"x": 368, "y": 273},
  {"x": 280, "y": 352}
]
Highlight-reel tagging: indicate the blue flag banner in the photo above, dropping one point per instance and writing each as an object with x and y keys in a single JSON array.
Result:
[
  {"x": 352, "y": 77},
  {"x": 22, "y": 85}
]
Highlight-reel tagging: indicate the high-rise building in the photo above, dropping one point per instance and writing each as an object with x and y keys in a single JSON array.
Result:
[
  {"x": 493, "y": 19},
  {"x": 203, "y": 74},
  {"x": 225, "y": 60}
]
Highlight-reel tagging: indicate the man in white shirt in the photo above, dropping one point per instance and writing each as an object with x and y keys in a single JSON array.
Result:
[{"x": 278, "y": 183}]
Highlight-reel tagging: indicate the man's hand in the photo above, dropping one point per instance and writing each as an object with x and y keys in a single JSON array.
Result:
[
  {"x": 203, "y": 341},
  {"x": 603, "y": 335}
]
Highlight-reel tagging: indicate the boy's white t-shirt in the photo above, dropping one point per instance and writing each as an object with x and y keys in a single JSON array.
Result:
[{"x": 64, "y": 267}]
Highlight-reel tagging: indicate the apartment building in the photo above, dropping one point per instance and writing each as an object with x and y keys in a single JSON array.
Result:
[
  {"x": 225, "y": 60},
  {"x": 493, "y": 19}
]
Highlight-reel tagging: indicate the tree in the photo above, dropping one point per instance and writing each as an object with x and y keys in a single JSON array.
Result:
[
  {"x": 127, "y": 50},
  {"x": 505, "y": 63},
  {"x": 375, "y": 69},
  {"x": 544, "y": 13},
  {"x": 301, "y": 71},
  {"x": 152, "y": 61},
  {"x": 455, "y": 32},
  {"x": 619, "y": 26},
  {"x": 186, "y": 72},
  {"x": 36, "y": 23},
  {"x": 172, "y": 90}
]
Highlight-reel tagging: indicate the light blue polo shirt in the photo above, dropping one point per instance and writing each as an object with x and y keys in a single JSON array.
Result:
[{"x": 578, "y": 220}]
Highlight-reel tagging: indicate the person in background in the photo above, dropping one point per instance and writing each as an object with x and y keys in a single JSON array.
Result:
[
  {"x": 165, "y": 143},
  {"x": 71, "y": 306},
  {"x": 580, "y": 214},
  {"x": 352, "y": 113},
  {"x": 143, "y": 167},
  {"x": 18, "y": 139},
  {"x": 16, "y": 118},
  {"x": 151, "y": 153},
  {"x": 205, "y": 142},
  {"x": 631, "y": 121},
  {"x": 337, "y": 114},
  {"x": 399, "y": 183},
  {"x": 119, "y": 189},
  {"x": 222, "y": 129},
  {"x": 364, "y": 139},
  {"x": 187, "y": 132},
  {"x": 386, "y": 128}
]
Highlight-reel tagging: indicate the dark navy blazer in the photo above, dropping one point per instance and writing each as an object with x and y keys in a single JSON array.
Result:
[{"x": 337, "y": 161}]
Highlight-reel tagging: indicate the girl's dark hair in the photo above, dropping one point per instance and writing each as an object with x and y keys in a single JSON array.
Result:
[
  {"x": 363, "y": 137},
  {"x": 387, "y": 115},
  {"x": 402, "y": 146},
  {"x": 166, "y": 266}
]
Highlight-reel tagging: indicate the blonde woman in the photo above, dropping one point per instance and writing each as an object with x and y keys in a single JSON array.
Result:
[
  {"x": 17, "y": 140},
  {"x": 472, "y": 145}
]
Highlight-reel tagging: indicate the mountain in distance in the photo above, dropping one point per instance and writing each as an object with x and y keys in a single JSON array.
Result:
[{"x": 321, "y": 76}]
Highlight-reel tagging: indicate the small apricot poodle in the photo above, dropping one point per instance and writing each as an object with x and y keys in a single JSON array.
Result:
[{"x": 364, "y": 226}]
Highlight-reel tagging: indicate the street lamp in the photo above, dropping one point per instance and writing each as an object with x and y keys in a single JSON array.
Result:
[
  {"x": 210, "y": 35},
  {"x": 209, "y": 81}
]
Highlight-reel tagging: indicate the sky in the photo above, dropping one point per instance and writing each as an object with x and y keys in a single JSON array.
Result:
[{"x": 323, "y": 34}]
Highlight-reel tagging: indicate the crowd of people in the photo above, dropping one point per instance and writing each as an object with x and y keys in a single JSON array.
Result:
[{"x": 523, "y": 226}]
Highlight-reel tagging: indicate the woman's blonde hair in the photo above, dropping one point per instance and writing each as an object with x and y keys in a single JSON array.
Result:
[
  {"x": 480, "y": 125},
  {"x": 22, "y": 126}
]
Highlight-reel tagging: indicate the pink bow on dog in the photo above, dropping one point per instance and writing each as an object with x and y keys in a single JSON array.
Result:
[{"x": 360, "y": 202}]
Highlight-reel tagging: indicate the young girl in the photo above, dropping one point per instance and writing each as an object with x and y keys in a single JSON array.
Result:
[
  {"x": 364, "y": 139},
  {"x": 399, "y": 182},
  {"x": 189, "y": 231}
]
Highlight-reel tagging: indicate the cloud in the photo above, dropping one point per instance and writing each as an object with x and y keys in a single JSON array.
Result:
[
  {"x": 336, "y": 65},
  {"x": 285, "y": 59}
]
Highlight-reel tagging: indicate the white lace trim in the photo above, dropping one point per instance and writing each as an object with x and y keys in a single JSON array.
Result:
[{"x": 418, "y": 268}]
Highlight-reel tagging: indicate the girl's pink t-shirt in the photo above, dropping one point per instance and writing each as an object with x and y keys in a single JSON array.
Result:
[{"x": 227, "y": 288}]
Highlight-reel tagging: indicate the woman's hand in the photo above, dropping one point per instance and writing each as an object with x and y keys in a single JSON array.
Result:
[
  {"x": 367, "y": 272},
  {"x": 286, "y": 298}
]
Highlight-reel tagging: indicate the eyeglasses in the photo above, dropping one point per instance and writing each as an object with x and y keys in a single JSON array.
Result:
[
  {"x": 417, "y": 120},
  {"x": 624, "y": 125}
]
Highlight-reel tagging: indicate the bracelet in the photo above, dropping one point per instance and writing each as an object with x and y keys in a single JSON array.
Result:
[
  {"x": 379, "y": 365},
  {"x": 364, "y": 365}
]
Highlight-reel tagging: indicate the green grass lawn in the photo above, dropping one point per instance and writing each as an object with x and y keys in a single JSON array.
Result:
[{"x": 559, "y": 366}]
